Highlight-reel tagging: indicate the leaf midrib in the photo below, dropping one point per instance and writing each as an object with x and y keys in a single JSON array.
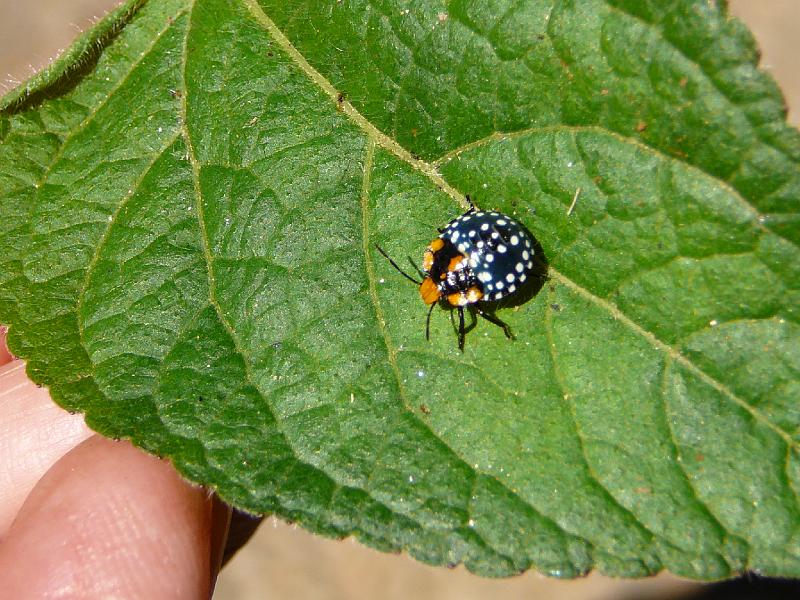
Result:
[{"x": 429, "y": 170}]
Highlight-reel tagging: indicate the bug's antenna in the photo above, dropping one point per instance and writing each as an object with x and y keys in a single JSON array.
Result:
[
  {"x": 394, "y": 264},
  {"x": 461, "y": 328},
  {"x": 428, "y": 322}
]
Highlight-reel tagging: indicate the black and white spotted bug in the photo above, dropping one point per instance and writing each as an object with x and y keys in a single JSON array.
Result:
[{"x": 479, "y": 257}]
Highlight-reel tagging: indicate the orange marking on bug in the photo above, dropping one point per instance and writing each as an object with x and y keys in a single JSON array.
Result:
[
  {"x": 457, "y": 299},
  {"x": 429, "y": 292},
  {"x": 427, "y": 260},
  {"x": 474, "y": 294},
  {"x": 454, "y": 262},
  {"x": 436, "y": 245}
]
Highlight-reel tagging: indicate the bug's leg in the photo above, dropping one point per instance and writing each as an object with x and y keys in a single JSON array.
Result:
[
  {"x": 428, "y": 323},
  {"x": 472, "y": 207},
  {"x": 394, "y": 264},
  {"x": 461, "y": 328},
  {"x": 493, "y": 319}
]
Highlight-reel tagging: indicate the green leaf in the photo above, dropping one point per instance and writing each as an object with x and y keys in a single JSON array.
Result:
[{"x": 189, "y": 203}]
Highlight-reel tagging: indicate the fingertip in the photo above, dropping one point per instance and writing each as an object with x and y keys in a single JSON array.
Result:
[
  {"x": 108, "y": 520},
  {"x": 34, "y": 434}
]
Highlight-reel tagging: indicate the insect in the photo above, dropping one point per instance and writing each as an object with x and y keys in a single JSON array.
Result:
[{"x": 479, "y": 257}]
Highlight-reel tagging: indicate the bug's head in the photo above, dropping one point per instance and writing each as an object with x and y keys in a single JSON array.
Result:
[{"x": 442, "y": 257}]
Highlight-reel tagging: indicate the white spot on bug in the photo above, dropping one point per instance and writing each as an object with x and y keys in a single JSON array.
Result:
[
  {"x": 489, "y": 286},
  {"x": 462, "y": 248},
  {"x": 485, "y": 276},
  {"x": 502, "y": 249},
  {"x": 519, "y": 267},
  {"x": 485, "y": 227},
  {"x": 480, "y": 213},
  {"x": 495, "y": 235},
  {"x": 523, "y": 277},
  {"x": 480, "y": 244},
  {"x": 472, "y": 233},
  {"x": 490, "y": 258},
  {"x": 500, "y": 285},
  {"x": 454, "y": 237},
  {"x": 473, "y": 261},
  {"x": 501, "y": 221},
  {"x": 525, "y": 255},
  {"x": 512, "y": 289},
  {"x": 510, "y": 278},
  {"x": 498, "y": 295},
  {"x": 527, "y": 243},
  {"x": 530, "y": 264},
  {"x": 514, "y": 240}
]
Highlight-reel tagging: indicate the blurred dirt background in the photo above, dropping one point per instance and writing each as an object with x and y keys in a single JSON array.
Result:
[{"x": 283, "y": 561}]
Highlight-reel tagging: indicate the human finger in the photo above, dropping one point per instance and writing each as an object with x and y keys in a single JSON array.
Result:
[{"x": 107, "y": 520}]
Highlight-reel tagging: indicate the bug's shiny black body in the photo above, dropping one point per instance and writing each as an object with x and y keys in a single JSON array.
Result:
[{"x": 498, "y": 250}]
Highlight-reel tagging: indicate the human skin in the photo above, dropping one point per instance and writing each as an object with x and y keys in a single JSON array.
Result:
[{"x": 82, "y": 516}]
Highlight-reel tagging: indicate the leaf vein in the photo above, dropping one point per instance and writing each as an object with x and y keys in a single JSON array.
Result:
[
  {"x": 106, "y": 233},
  {"x": 674, "y": 353},
  {"x": 677, "y": 453},
  {"x": 559, "y": 380},
  {"x": 500, "y": 136},
  {"x": 93, "y": 112}
]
